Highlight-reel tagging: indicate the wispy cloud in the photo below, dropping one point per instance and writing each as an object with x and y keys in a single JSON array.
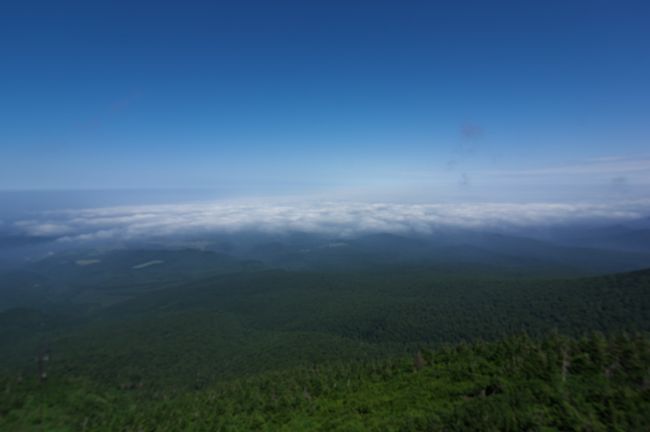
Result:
[
  {"x": 332, "y": 218},
  {"x": 44, "y": 228},
  {"x": 607, "y": 166}
]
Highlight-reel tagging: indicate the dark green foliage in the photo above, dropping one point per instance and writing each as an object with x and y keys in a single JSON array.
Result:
[
  {"x": 515, "y": 384},
  {"x": 222, "y": 327},
  {"x": 399, "y": 348}
]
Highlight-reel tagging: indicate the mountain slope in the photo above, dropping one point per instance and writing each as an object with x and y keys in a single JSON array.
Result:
[
  {"x": 515, "y": 384},
  {"x": 234, "y": 324}
]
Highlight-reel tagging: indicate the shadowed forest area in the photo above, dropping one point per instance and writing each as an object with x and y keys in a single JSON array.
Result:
[{"x": 409, "y": 349}]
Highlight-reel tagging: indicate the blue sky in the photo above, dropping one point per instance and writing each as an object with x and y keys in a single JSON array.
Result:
[{"x": 416, "y": 100}]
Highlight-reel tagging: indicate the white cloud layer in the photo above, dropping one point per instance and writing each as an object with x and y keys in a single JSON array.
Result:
[{"x": 331, "y": 218}]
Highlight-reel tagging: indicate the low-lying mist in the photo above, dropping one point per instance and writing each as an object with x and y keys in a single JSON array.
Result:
[
  {"x": 273, "y": 230},
  {"x": 336, "y": 219}
]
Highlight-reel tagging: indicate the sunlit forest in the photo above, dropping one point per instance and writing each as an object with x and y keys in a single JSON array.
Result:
[{"x": 591, "y": 383}]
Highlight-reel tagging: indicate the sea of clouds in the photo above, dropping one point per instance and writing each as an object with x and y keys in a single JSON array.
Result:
[{"x": 331, "y": 218}]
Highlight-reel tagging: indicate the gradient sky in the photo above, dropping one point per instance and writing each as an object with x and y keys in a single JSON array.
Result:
[{"x": 424, "y": 99}]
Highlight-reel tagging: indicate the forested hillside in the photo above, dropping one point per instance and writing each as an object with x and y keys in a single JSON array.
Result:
[
  {"x": 592, "y": 384},
  {"x": 250, "y": 322},
  {"x": 259, "y": 349}
]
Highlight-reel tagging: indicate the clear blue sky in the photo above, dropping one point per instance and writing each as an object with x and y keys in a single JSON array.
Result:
[{"x": 442, "y": 98}]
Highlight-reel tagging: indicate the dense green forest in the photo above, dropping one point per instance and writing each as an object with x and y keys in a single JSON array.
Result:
[
  {"x": 228, "y": 325},
  {"x": 396, "y": 348},
  {"x": 555, "y": 383}
]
